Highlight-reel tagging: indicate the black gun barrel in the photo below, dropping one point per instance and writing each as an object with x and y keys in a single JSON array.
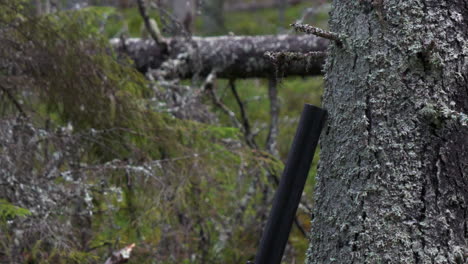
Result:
[{"x": 287, "y": 197}]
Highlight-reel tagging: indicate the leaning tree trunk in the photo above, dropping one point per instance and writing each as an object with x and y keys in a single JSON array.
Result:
[{"x": 393, "y": 177}]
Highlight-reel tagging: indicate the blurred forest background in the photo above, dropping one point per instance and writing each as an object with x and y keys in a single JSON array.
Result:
[{"x": 95, "y": 156}]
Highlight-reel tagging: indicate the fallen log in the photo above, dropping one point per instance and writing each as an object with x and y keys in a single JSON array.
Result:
[{"x": 229, "y": 56}]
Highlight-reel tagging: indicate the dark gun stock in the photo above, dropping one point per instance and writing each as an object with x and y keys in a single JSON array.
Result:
[{"x": 287, "y": 197}]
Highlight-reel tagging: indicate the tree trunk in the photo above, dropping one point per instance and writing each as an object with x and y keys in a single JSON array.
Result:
[
  {"x": 230, "y": 56},
  {"x": 393, "y": 177}
]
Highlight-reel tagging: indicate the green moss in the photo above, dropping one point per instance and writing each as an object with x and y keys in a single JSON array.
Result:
[{"x": 9, "y": 211}]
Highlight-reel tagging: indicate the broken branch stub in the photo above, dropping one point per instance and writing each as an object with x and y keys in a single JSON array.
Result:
[{"x": 308, "y": 29}]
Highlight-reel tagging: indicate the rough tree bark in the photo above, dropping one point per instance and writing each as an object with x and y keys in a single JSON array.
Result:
[
  {"x": 230, "y": 56},
  {"x": 393, "y": 177}
]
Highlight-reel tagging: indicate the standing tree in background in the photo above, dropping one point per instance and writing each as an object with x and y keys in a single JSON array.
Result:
[
  {"x": 393, "y": 177},
  {"x": 212, "y": 13}
]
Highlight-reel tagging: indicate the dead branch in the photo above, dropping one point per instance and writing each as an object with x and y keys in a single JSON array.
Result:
[
  {"x": 232, "y": 56},
  {"x": 308, "y": 29}
]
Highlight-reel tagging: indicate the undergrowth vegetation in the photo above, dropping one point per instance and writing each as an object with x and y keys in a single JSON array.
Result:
[{"x": 87, "y": 166}]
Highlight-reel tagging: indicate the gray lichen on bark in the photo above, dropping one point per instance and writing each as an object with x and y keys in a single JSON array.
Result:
[
  {"x": 392, "y": 185},
  {"x": 230, "y": 56}
]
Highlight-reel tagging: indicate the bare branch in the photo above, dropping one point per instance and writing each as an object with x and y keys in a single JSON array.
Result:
[
  {"x": 120, "y": 256},
  {"x": 249, "y": 137},
  {"x": 286, "y": 56},
  {"x": 232, "y": 56},
  {"x": 318, "y": 32},
  {"x": 209, "y": 86}
]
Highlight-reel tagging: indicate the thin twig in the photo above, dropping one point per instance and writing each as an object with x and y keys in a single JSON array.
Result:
[
  {"x": 209, "y": 86},
  {"x": 299, "y": 27},
  {"x": 249, "y": 138}
]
